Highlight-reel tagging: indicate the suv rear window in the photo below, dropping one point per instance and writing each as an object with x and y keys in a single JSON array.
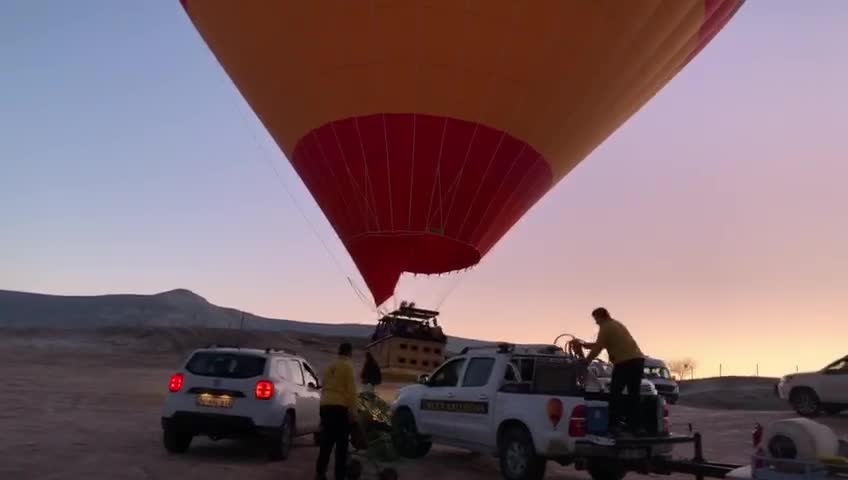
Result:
[{"x": 226, "y": 365}]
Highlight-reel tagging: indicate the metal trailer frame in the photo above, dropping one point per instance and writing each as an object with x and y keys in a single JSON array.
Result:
[
  {"x": 762, "y": 467},
  {"x": 697, "y": 465},
  {"x": 766, "y": 468}
]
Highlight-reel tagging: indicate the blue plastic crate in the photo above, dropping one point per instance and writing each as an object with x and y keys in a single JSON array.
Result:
[{"x": 597, "y": 418}]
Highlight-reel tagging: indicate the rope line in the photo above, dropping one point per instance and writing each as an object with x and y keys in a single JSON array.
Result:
[{"x": 268, "y": 156}]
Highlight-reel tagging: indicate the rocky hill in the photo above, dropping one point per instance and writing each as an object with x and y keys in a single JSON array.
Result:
[{"x": 175, "y": 308}]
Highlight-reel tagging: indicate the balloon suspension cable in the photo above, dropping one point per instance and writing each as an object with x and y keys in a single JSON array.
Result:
[
  {"x": 454, "y": 279},
  {"x": 453, "y": 286},
  {"x": 269, "y": 159}
]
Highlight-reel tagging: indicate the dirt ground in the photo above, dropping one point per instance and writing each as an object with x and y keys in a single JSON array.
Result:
[{"x": 84, "y": 406}]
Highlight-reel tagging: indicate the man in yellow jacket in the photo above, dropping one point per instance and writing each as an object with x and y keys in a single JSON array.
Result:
[
  {"x": 338, "y": 412},
  {"x": 628, "y": 369}
]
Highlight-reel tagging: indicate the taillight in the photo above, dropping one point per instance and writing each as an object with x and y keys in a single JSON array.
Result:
[
  {"x": 176, "y": 382},
  {"x": 264, "y": 390},
  {"x": 666, "y": 421},
  {"x": 577, "y": 422}
]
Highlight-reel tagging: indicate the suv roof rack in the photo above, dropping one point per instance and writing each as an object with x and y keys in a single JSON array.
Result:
[
  {"x": 506, "y": 347},
  {"x": 500, "y": 347},
  {"x": 215, "y": 345}
]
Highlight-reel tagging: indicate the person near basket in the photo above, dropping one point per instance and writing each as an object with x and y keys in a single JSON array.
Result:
[
  {"x": 339, "y": 401},
  {"x": 371, "y": 376},
  {"x": 628, "y": 369}
]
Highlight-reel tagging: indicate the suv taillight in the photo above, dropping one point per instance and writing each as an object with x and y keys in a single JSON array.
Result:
[
  {"x": 264, "y": 390},
  {"x": 176, "y": 382},
  {"x": 577, "y": 422}
]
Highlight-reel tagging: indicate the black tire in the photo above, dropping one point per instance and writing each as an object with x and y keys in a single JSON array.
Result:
[
  {"x": 805, "y": 402},
  {"x": 605, "y": 470},
  {"x": 517, "y": 456},
  {"x": 280, "y": 444},
  {"x": 405, "y": 437},
  {"x": 670, "y": 400},
  {"x": 176, "y": 441}
]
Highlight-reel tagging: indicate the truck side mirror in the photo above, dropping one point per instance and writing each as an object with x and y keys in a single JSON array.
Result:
[{"x": 423, "y": 379}]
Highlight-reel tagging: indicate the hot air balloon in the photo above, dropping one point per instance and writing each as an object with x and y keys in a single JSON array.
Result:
[{"x": 425, "y": 129}]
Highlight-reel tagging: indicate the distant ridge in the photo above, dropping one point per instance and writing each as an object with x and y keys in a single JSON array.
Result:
[{"x": 173, "y": 308}]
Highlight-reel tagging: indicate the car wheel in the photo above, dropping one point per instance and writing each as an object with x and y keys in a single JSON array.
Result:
[
  {"x": 601, "y": 470},
  {"x": 670, "y": 400},
  {"x": 805, "y": 402},
  {"x": 176, "y": 441},
  {"x": 281, "y": 443},
  {"x": 517, "y": 456},
  {"x": 405, "y": 437}
]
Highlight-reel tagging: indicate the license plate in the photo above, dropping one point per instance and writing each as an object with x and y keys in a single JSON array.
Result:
[
  {"x": 215, "y": 401},
  {"x": 632, "y": 453}
]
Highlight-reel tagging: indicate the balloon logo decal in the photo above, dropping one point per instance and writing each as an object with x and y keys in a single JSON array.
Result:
[{"x": 555, "y": 411}]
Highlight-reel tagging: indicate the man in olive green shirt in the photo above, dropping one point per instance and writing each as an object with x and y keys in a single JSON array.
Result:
[{"x": 628, "y": 368}]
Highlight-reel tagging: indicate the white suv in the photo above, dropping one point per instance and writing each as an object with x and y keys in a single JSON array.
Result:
[
  {"x": 231, "y": 392},
  {"x": 813, "y": 392}
]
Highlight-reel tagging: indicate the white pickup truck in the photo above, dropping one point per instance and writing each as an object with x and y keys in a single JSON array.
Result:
[{"x": 526, "y": 408}]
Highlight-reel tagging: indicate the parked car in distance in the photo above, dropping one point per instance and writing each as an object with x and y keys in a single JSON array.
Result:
[
  {"x": 811, "y": 393},
  {"x": 231, "y": 392},
  {"x": 657, "y": 373},
  {"x": 602, "y": 371}
]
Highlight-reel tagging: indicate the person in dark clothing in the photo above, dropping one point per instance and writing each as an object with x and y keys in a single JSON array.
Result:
[
  {"x": 371, "y": 376},
  {"x": 628, "y": 368},
  {"x": 338, "y": 412}
]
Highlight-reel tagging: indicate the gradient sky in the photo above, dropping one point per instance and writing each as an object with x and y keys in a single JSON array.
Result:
[{"x": 714, "y": 222}]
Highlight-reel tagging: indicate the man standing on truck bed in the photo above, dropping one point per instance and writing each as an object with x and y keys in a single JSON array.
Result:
[{"x": 628, "y": 369}]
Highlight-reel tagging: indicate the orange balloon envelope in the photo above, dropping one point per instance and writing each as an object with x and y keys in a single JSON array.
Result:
[{"x": 426, "y": 129}]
